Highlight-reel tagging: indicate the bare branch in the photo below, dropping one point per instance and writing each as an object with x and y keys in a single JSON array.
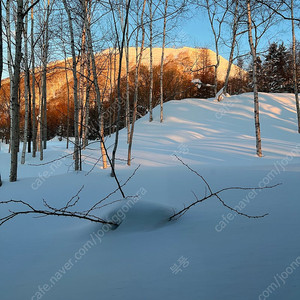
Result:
[{"x": 212, "y": 194}]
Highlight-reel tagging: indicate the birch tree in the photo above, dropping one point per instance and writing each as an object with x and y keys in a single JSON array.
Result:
[
  {"x": 1, "y": 44},
  {"x": 45, "y": 48},
  {"x": 255, "y": 88},
  {"x": 216, "y": 19},
  {"x": 235, "y": 26},
  {"x": 121, "y": 46},
  {"x": 139, "y": 53},
  {"x": 162, "y": 63},
  {"x": 9, "y": 60},
  {"x": 256, "y": 30},
  {"x": 26, "y": 88},
  {"x": 14, "y": 99},
  {"x": 295, "y": 78},
  {"x": 95, "y": 82},
  {"x": 32, "y": 44},
  {"x": 75, "y": 85},
  {"x": 151, "y": 59}
]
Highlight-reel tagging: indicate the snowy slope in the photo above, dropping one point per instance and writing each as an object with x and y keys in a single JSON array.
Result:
[{"x": 223, "y": 257}]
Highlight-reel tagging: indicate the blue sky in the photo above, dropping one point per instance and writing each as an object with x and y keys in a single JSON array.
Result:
[{"x": 197, "y": 32}]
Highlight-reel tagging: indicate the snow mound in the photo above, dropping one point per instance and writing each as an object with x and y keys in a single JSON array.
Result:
[
  {"x": 143, "y": 216},
  {"x": 211, "y": 133}
]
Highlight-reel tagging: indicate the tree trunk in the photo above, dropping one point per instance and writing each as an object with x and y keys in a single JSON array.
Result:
[
  {"x": 234, "y": 32},
  {"x": 75, "y": 86},
  {"x": 86, "y": 118},
  {"x": 1, "y": 44},
  {"x": 82, "y": 82},
  {"x": 137, "y": 70},
  {"x": 151, "y": 61},
  {"x": 295, "y": 79},
  {"x": 26, "y": 89},
  {"x": 9, "y": 62},
  {"x": 95, "y": 81},
  {"x": 68, "y": 97},
  {"x": 34, "y": 133},
  {"x": 40, "y": 125},
  {"x": 121, "y": 52},
  {"x": 162, "y": 65},
  {"x": 255, "y": 88},
  {"x": 111, "y": 94},
  {"x": 44, "y": 75},
  {"x": 127, "y": 109},
  {"x": 14, "y": 96}
]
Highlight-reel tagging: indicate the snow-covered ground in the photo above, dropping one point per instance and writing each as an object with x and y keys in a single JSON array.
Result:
[{"x": 208, "y": 254}]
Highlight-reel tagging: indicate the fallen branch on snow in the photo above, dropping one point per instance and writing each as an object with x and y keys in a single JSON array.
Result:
[{"x": 216, "y": 194}]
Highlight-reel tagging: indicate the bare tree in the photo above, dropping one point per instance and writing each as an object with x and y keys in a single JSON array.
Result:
[
  {"x": 151, "y": 59},
  {"x": 255, "y": 87},
  {"x": 121, "y": 51},
  {"x": 32, "y": 44},
  {"x": 216, "y": 20},
  {"x": 95, "y": 81},
  {"x": 264, "y": 19},
  {"x": 162, "y": 63},
  {"x": 75, "y": 85},
  {"x": 1, "y": 44},
  {"x": 139, "y": 53},
  {"x": 295, "y": 79},
  {"x": 45, "y": 49},
  {"x": 14, "y": 96},
  {"x": 9, "y": 59},
  {"x": 127, "y": 108},
  {"x": 235, "y": 24},
  {"x": 26, "y": 88}
]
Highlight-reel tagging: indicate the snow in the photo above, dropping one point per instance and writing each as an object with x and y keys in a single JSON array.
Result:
[
  {"x": 197, "y": 82},
  {"x": 221, "y": 256}
]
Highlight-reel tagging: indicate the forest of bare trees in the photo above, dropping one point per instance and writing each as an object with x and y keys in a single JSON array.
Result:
[{"x": 84, "y": 49}]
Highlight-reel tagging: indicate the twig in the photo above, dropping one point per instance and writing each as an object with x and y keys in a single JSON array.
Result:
[{"x": 211, "y": 194}]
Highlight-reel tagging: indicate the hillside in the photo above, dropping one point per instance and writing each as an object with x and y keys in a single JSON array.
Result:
[
  {"x": 222, "y": 256},
  {"x": 56, "y": 77},
  {"x": 193, "y": 58}
]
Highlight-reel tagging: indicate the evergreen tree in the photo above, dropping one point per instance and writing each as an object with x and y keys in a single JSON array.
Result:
[{"x": 276, "y": 68}]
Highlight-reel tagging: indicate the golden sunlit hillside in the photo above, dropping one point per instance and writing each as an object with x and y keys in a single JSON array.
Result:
[{"x": 181, "y": 66}]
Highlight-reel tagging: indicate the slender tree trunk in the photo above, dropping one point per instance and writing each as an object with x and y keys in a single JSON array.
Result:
[
  {"x": 34, "y": 133},
  {"x": 44, "y": 75},
  {"x": 40, "y": 125},
  {"x": 9, "y": 62},
  {"x": 121, "y": 52},
  {"x": 14, "y": 96},
  {"x": 162, "y": 64},
  {"x": 295, "y": 79},
  {"x": 233, "y": 43},
  {"x": 127, "y": 109},
  {"x": 82, "y": 82},
  {"x": 68, "y": 99},
  {"x": 1, "y": 44},
  {"x": 26, "y": 88},
  {"x": 216, "y": 70},
  {"x": 114, "y": 99},
  {"x": 75, "y": 86},
  {"x": 255, "y": 88},
  {"x": 85, "y": 139},
  {"x": 111, "y": 94},
  {"x": 95, "y": 80},
  {"x": 151, "y": 61},
  {"x": 29, "y": 136},
  {"x": 137, "y": 71},
  {"x": 87, "y": 72}
]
